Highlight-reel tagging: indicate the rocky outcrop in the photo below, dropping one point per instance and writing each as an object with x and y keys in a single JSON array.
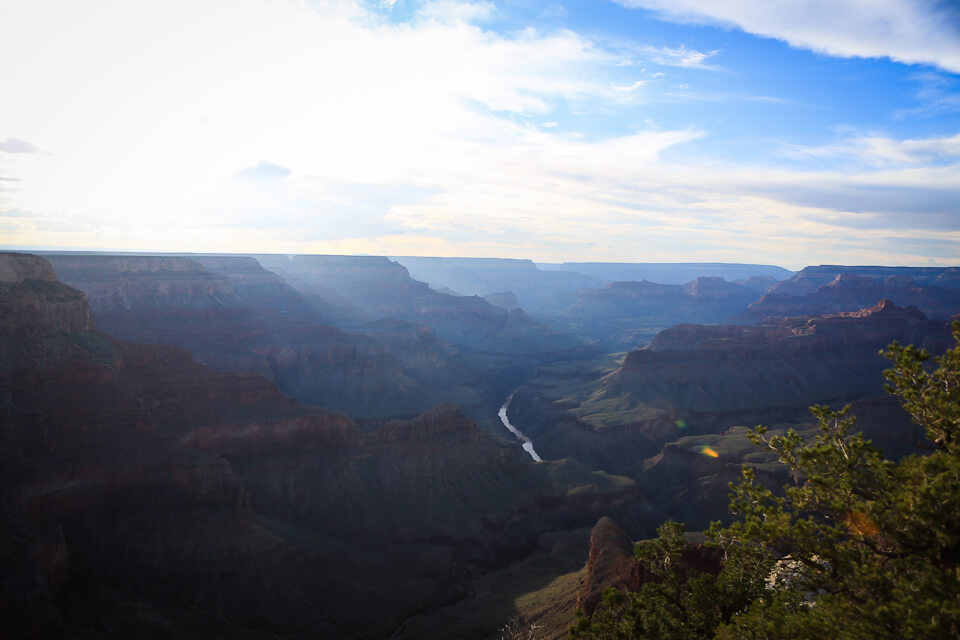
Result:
[
  {"x": 610, "y": 564},
  {"x": 33, "y": 303},
  {"x": 16, "y": 268}
]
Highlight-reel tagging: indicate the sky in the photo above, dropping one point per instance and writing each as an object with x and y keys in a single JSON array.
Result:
[{"x": 793, "y": 132}]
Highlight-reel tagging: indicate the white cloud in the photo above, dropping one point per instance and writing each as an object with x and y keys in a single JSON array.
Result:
[
  {"x": 264, "y": 170},
  {"x": 16, "y": 145},
  {"x": 681, "y": 56},
  {"x": 879, "y": 151},
  {"x": 630, "y": 87},
  {"x": 909, "y": 31},
  {"x": 148, "y": 114}
]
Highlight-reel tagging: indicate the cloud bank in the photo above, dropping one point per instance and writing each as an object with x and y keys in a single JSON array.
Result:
[{"x": 909, "y": 31}]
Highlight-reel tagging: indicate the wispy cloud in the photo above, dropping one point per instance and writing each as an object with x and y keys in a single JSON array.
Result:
[
  {"x": 938, "y": 94},
  {"x": 909, "y": 31},
  {"x": 16, "y": 145},
  {"x": 681, "y": 56},
  {"x": 630, "y": 87},
  {"x": 264, "y": 171},
  {"x": 553, "y": 12},
  {"x": 878, "y": 151},
  {"x": 768, "y": 99}
]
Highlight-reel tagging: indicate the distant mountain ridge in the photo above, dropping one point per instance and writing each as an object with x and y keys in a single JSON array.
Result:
[
  {"x": 666, "y": 272},
  {"x": 834, "y": 289},
  {"x": 532, "y": 285},
  {"x": 811, "y": 278},
  {"x": 624, "y": 315}
]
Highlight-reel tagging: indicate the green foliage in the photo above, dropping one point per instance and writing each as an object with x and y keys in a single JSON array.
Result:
[
  {"x": 683, "y": 604},
  {"x": 932, "y": 398},
  {"x": 857, "y": 547}
]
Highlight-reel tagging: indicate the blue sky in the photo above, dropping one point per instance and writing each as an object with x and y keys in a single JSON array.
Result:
[{"x": 793, "y": 132}]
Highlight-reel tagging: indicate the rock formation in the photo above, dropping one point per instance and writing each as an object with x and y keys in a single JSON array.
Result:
[{"x": 610, "y": 564}]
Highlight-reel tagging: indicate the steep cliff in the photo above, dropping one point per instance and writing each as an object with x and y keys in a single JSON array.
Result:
[
  {"x": 232, "y": 314},
  {"x": 695, "y": 379},
  {"x": 34, "y": 304}
]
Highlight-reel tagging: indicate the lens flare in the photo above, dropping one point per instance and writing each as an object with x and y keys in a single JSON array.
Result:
[{"x": 860, "y": 523}]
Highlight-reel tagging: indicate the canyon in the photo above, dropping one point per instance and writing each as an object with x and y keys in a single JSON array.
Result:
[{"x": 262, "y": 445}]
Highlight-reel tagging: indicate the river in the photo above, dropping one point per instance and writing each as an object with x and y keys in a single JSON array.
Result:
[{"x": 527, "y": 442}]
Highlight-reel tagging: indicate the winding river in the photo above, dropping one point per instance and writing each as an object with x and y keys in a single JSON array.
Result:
[{"x": 527, "y": 442}]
